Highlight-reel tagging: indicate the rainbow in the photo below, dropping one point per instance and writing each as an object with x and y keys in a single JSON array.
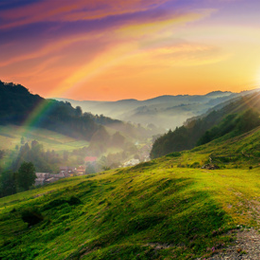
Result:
[
  {"x": 31, "y": 123},
  {"x": 36, "y": 116}
]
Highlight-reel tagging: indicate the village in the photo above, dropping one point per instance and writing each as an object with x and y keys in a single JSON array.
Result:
[{"x": 43, "y": 178}]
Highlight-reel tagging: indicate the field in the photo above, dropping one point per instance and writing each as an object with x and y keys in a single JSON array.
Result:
[{"x": 11, "y": 135}]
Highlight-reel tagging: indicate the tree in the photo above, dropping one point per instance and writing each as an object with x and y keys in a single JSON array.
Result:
[
  {"x": 26, "y": 175},
  {"x": 118, "y": 140},
  {"x": 65, "y": 155},
  {"x": 90, "y": 168},
  {"x": 7, "y": 183},
  {"x": 22, "y": 140},
  {"x": 2, "y": 153},
  {"x": 78, "y": 111}
]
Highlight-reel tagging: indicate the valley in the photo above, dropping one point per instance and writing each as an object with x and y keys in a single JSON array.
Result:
[
  {"x": 190, "y": 200},
  {"x": 129, "y": 130}
]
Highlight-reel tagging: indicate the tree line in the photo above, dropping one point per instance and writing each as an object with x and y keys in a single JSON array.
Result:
[{"x": 13, "y": 182}]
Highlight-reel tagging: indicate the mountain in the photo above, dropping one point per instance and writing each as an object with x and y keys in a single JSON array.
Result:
[
  {"x": 168, "y": 208},
  {"x": 231, "y": 118},
  {"x": 165, "y": 112},
  {"x": 22, "y": 114},
  {"x": 17, "y": 104}
]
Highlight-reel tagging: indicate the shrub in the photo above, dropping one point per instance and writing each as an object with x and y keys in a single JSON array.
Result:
[
  {"x": 31, "y": 216},
  {"x": 195, "y": 165},
  {"x": 174, "y": 154},
  {"x": 74, "y": 201}
]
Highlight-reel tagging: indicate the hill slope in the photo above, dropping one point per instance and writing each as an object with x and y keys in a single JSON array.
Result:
[
  {"x": 159, "y": 209},
  {"x": 236, "y": 117}
]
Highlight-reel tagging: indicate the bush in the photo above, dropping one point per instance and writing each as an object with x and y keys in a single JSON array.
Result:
[
  {"x": 174, "y": 154},
  {"x": 195, "y": 165},
  {"x": 74, "y": 201},
  {"x": 31, "y": 216}
]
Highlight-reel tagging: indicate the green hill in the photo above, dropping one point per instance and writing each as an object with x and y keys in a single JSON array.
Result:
[
  {"x": 162, "y": 209},
  {"x": 232, "y": 119},
  {"x": 19, "y": 107}
]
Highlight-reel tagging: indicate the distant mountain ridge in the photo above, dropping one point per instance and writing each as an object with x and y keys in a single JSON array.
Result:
[{"x": 165, "y": 111}]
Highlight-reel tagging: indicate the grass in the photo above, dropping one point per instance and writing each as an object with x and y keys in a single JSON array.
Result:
[
  {"x": 162, "y": 209},
  {"x": 239, "y": 152}
]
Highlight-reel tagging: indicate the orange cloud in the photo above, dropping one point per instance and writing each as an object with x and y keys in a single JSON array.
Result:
[
  {"x": 49, "y": 48},
  {"x": 121, "y": 50}
]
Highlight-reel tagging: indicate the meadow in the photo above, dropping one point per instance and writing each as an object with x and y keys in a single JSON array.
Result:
[
  {"x": 167, "y": 208},
  {"x": 11, "y": 135},
  {"x": 152, "y": 211}
]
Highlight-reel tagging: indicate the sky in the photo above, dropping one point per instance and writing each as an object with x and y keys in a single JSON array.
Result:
[{"x": 121, "y": 49}]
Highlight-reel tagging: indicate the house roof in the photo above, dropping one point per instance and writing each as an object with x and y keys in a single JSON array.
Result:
[
  {"x": 42, "y": 174},
  {"x": 90, "y": 159}
]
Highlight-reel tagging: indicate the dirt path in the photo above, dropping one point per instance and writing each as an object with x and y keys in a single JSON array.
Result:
[{"x": 246, "y": 246}]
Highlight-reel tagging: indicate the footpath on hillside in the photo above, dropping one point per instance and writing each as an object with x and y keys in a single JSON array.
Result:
[{"x": 246, "y": 246}]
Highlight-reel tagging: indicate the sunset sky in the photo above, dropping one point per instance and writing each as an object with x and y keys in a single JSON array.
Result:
[{"x": 119, "y": 49}]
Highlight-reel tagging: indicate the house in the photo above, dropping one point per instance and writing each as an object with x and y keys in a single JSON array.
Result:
[
  {"x": 90, "y": 159},
  {"x": 80, "y": 170},
  {"x": 131, "y": 162},
  {"x": 51, "y": 180},
  {"x": 44, "y": 178},
  {"x": 41, "y": 177},
  {"x": 67, "y": 171}
]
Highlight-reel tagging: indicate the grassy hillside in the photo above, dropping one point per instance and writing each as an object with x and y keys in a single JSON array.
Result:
[
  {"x": 157, "y": 210},
  {"x": 242, "y": 151}
]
